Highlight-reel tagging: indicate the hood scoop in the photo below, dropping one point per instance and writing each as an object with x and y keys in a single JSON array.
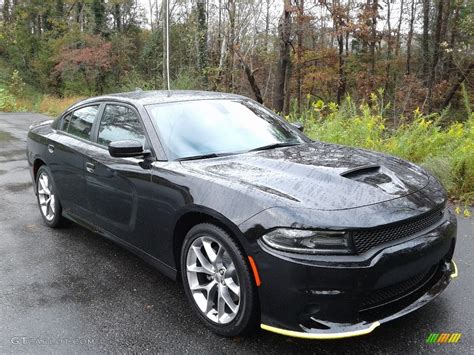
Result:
[
  {"x": 377, "y": 176},
  {"x": 360, "y": 170}
]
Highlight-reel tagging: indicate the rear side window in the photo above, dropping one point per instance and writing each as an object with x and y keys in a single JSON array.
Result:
[
  {"x": 119, "y": 123},
  {"x": 80, "y": 122}
]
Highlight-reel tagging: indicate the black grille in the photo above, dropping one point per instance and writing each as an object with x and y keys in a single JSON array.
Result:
[
  {"x": 394, "y": 292},
  {"x": 365, "y": 240}
]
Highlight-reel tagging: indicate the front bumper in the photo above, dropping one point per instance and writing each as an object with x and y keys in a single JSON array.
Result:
[{"x": 336, "y": 297}]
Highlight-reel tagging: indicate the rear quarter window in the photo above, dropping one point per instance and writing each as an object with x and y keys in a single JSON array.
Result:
[{"x": 79, "y": 123}]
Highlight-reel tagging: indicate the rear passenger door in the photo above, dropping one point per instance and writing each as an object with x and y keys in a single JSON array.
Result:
[
  {"x": 67, "y": 150},
  {"x": 118, "y": 188}
]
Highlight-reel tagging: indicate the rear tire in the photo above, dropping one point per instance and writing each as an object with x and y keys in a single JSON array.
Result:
[
  {"x": 48, "y": 200},
  {"x": 218, "y": 282}
]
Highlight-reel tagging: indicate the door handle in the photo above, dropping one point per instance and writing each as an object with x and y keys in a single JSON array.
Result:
[
  {"x": 50, "y": 148},
  {"x": 90, "y": 168}
]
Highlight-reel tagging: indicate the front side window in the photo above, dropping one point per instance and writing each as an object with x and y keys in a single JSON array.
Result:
[
  {"x": 203, "y": 127},
  {"x": 80, "y": 122},
  {"x": 63, "y": 124},
  {"x": 119, "y": 123}
]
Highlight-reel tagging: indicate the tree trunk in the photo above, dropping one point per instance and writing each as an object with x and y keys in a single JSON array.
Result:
[
  {"x": 341, "y": 86},
  {"x": 299, "y": 52},
  {"x": 436, "y": 54},
  {"x": 251, "y": 78},
  {"x": 452, "y": 41},
  {"x": 425, "y": 47},
  {"x": 410, "y": 37},
  {"x": 164, "y": 54},
  {"x": 117, "y": 18},
  {"x": 283, "y": 60},
  {"x": 389, "y": 48},
  {"x": 373, "y": 41},
  {"x": 79, "y": 15},
  {"x": 6, "y": 10},
  {"x": 461, "y": 77},
  {"x": 219, "y": 28},
  {"x": 231, "y": 9},
  {"x": 400, "y": 20},
  {"x": 60, "y": 9},
  {"x": 98, "y": 9},
  {"x": 267, "y": 25},
  {"x": 202, "y": 40}
]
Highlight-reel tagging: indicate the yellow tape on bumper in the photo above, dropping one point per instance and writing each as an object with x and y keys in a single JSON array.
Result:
[
  {"x": 295, "y": 334},
  {"x": 454, "y": 274}
]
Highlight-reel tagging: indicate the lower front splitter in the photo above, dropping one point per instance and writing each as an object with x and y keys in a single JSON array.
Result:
[{"x": 340, "y": 331}]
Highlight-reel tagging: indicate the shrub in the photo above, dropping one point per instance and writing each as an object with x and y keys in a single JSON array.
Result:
[
  {"x": 7, "y": 101},
  {"x": 54, "y": 106},
  {"x": 16, "y": 85},
  {"x": 446, "y": 151}
]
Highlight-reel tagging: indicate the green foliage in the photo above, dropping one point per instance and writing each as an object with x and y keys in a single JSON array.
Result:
[
  {"x": 185, "y": 80},
  {"x": 16, "y": 84},
  {"x": 7, "y": 101},
  {"x": 446, "y": 151}
]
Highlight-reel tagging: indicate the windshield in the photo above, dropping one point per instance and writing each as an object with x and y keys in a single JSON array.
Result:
[{"x": 214, "y": 127}]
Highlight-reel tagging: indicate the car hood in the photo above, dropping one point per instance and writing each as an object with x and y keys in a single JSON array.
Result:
[{"x": 318, "y": 175}]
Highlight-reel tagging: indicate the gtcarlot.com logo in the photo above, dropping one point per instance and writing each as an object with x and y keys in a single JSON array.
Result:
[{"x": 440, "y": 338}]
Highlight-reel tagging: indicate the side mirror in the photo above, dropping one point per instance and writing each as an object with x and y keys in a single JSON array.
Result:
[
  {"x": 126, "y": 148},
  {"x": 298, "y": 126}
]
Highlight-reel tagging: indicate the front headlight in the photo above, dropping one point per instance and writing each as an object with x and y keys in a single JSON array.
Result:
[{"x": 308, "y": 241}]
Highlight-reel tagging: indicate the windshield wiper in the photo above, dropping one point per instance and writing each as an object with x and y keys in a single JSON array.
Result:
[
  {"x": 217, "y": 155},
  {"x": 205, "y": 156},
  {"x": 275, "y": 145}
]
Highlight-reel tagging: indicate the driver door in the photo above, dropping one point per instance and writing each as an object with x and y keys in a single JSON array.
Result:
[{"x": 118, "y": 189}]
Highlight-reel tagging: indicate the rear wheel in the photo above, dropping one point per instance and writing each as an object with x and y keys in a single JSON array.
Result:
[
  {"x": 48, "y": 201},
  {"x": 218, "y": 282}
]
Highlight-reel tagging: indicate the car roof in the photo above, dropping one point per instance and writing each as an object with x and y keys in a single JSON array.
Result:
[{"x": 158, "y": 96}]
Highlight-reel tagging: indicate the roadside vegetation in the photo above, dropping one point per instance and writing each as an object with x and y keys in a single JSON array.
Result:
[
  {"x": 394, "y": 76},
  {"x": 443, "y": 147}
]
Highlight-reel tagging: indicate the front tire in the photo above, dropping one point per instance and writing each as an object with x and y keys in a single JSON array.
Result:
[
  {"x": 217, "y": 281},
  {"x": 48, "y": 201}
]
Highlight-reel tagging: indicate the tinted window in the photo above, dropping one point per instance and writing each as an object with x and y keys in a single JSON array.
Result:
[
  {"x": 201, "y": 127},
  {"x": 81, "y": 121},
  {"x": 118, "y": 123}
]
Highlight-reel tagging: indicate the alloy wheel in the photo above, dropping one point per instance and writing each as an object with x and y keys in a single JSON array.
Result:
[
  {"x": 46, "y": 197},
  {"x": 213, "y": 280}
]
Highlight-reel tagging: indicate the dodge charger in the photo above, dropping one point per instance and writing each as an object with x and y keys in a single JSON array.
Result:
[{"x": 264, "y": 226}]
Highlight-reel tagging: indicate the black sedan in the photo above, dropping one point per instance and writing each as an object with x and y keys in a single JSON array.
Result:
[{"x": 264, "y": 226}]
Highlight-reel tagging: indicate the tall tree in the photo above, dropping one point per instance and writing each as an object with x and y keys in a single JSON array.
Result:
[
  {"x": 300, "y": 19},
  {"x": 117, "y": 14},
  {"x": 340, "y": 22},
  {"x": 231, "y": 13},
  {"x": 80, "y": 15},
  {"x": 436, "y": 53},
  {"x": 373, "y": 37},
  {"x": 60, "y": 9},
  {"x": 410, "y": 37},
  {"x": 284, "y": 60},
  {"x": 425, "y": 46},
  {"x": 389, "y": 47},
  {"x": 399, "y": 26},
  {"x": 98, "y": 9},
  {"x": 202, "y": 40},
  {"x": 6, "y": 10}
]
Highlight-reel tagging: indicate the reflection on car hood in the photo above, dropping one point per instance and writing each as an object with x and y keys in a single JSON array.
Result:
[{"x": 318, "y": 175}]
